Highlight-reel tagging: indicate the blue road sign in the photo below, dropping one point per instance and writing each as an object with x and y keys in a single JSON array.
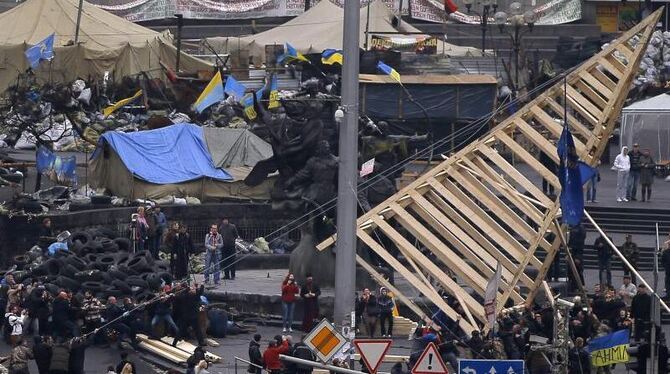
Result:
[{"x": 490, "y": 367}]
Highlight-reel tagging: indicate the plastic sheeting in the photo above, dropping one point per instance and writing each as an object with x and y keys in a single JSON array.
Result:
[
  {"x": 235, "y": 147},
  {"x": 446, "y": 102},
  {"x": 647, "y": 122},
  {"x": 172, "y": 154}
]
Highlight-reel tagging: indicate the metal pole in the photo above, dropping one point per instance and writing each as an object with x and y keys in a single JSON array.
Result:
[
  {"x": 76, "y": 30},
  {"x": 317, "y": 364},
  {"x": 655, "y": 310},
  {"x": 517, "y": 48},
  {"x": 485, "y": 19},
  {"x": 400, "y": 15},
  {"x": 571, "y": 261},
  {"x": 345, "y": 260},
  {"x": 180, "y": 23},
  {"x": 367, "y": 27}
]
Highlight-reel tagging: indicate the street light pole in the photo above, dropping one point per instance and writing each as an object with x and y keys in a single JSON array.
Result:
[
  {"x": 517, "y": 20},
  {"x": 76, "y": 29},
  {"x": 345, "y": 259}
]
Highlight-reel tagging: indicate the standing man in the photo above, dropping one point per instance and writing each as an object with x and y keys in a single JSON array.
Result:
[
  {"x": 591, "y": 186},
  {"x": 632, "y": 253},
  {"x": 604, "y": 260},
  {"x": 622, "y": 167},
  {"x": 161, "y": 227},
  {"x": 627, "y": 290},
  {"x": 640, "y": 310},
  {"x": 255, "y": 355},
  {"x": 213, "y": 244},
  {"x": 647, "y": 168},
  {"x": 634, "y": 176},
  {"x": 310, "y": 294},
  {"x": 229, "y": 233},
  {"x": 665, "y": 262},
  {"x": 367, "y": 309},
  {"x": 576, "y": 242}
]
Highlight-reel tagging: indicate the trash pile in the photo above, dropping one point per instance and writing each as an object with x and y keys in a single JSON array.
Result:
[
  {"x": 95, "y": 260},
  {"x": 655, "y": 63}
]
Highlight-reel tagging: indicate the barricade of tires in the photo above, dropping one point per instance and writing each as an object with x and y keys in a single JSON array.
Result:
[{"x": 98, "y": 261}]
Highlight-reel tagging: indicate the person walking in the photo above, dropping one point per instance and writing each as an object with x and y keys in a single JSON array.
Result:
[
  {"x": 310, "y": 293},
  {"x": 604, "y": 260},
  {"x": 647, "y": 169},
  {"x": 255, "y": 355},
  {"x": 634, "y": 175},
  {"x": 187, "y": 306},
  {"x": 289, "y": 292},
  {"x": 229, "y": 233},
  {"x": 213, "y": 244},
  {"x": 592, "y": 183},
  {"x": 631, "y": 252},
  {"x": 180, "y": 245},
  {"x": 386, "y": 305},
  {"x": 622, "y": 167}
]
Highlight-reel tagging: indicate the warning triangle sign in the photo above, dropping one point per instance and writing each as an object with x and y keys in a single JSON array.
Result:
[
  {"x": 372, "y": 351},
  {"x": 430, "y": 362}
]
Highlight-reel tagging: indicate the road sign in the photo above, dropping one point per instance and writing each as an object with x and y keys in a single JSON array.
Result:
[
  {"x": 490, "y": 367},
  {"x": 373, "y": 351},
  {"x": 324, "y": 341},
  {"x": 430, "y": 362}
]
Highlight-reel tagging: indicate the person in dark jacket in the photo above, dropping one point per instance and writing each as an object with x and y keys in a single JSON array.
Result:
[
  {"x": 187, "y": 307},
  {"x": 647, "y": 168},
  {"x": 604, "y": 260},
  {"x": 579, "y": 361},
  {"x": 548, "y": 163},
  {"x": 640, "y": 310},
  {"x": 116, "y": 317},
  {"x": 631, "y": 252},
  {"x": 367, "y": 309},
  {"x": 163, "y": 312},
  {"x": 78, "y": 348},
  {"x": 665, "y": 262},
  {"x": 61, "y": 316},
  {"x": 310, "y": 293},
  {"x": 576, "y": 241},
  {"x": 386, "y": 305},
  {"x": 60, "y": 357},
  {"x": 38, "y": 311},
  {"x": 179, "y": 242},
  {"x": 124, "y": 361},
  {"x": 255, "y": 356},
  {"x": 230, "y": 234},
  {"x": 301, "y": 351},
  {"x": 634, "y": 175},
  {"x": 42, "y": 353}
]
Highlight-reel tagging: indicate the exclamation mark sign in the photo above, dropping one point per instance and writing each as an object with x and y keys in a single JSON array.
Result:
[{"x": 430, "y": 361}]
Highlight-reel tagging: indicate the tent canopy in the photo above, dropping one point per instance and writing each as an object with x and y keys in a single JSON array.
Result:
[
  {"x": 106, "y": 43},
  {"x": 647, "y": 123},
  {"x": 232, "y": 148},
  {"x": 320, "y": 28},
  {"x": 172, "y": 154}
]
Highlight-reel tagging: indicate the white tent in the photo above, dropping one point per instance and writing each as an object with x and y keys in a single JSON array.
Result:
[
  {"x": 320, "y": 28},
  {"x": 647, "y": 122}
]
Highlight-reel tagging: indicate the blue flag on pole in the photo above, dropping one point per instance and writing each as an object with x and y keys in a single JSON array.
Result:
[
  {"x": 292, "y": 54},
  {"x": 331, "y": 56},
  {"x": 212, "y": 94},
  {"x": 391, "y": 72},
  {"x": 570, "y": 177},
  {"x": 609, "y": 349},
  {"x": 43, "y": 50},
  {"x": 234, "y": 88}
]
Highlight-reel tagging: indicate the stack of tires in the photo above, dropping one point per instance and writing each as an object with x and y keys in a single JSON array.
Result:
[{"x": 98, "y": 261}]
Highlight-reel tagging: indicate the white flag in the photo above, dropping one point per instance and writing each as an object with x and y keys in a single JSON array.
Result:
[
  {"x": 491, "y": 296},
  {"x": 368, "y": 167}
]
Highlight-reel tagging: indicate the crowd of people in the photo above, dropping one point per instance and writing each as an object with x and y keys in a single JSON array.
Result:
[{"x": 633, "y": 168}]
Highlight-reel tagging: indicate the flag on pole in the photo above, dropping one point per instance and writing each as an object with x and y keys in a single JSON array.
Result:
[
  {"x": 491, "y": 296},
  {"x": 331, "y": 56},
  {"x": 391, "y": 72},
  {"x": 43, "y": 50},
  {"x": 211, "y": 95},
  {"x": 569, "y": 175},
  {"x": 234, "y": 88},
  {"x": 274, "y": 92},
  {"x": 292, "y": 55},
  {"x": 450, "y": 7},
  {"x": 248, "y": 103},
  {"x": 121, "y": 103}
]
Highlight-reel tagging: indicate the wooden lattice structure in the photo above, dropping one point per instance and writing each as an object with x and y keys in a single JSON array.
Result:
[{"x": 476, "y": 208}]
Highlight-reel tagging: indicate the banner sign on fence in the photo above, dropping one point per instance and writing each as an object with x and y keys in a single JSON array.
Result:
[{"x": 418, "y": 44}]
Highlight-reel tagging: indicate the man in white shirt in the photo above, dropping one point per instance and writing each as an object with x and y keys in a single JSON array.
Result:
[{"x": 627, "y": 290}]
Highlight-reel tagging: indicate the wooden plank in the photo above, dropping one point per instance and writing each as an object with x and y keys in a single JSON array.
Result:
[
  {"x": 597, "y": 84},
  {"x": 536, "y": 138},
  {"x": 513, "y": 173},
  {"x": 542, "y": 117},
  {"x": 603, "y": 79},
  {"x": 483, "y": 221},
  {"x": 576, "y": 104},
  {"x": 162, "y": 354},
  {"x": 190, "y": 348},
  {"x": 587, "y": 91},
  {"x": 414, "y": 281},
  {"x": 529, "y": 159},
  {"x": 542, "y": 273},
  {"x": 484, "y": 261},
  {"x": 624, "y": 50},
  {"x": 422, "y": 234},
  {"x": 610, "y": 68},
  {"x": 618, "y": 64},
  {"x": 572, "y": 121},
  {"x": 579, "y": 99}
]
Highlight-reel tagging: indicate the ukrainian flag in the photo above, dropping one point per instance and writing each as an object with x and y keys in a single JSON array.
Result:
[
  {"x": 331, "y": 56},
  {"x": 391, "y": 72},
  {"x": 248, "y": 104},
  {"x": 292, "y": 55},
  {"x": 111, "y": 109},
  {"x": 212, "y": 94},
  {"x": 609, "y": 349},
  {"x": 274, "y": 92}
]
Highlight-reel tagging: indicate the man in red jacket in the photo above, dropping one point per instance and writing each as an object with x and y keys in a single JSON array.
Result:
[
  {"x": 289, "y": 293},
  {"x": 271, "y": 359}
]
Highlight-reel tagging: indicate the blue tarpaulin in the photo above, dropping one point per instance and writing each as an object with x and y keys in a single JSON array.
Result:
[{"x": 173, "y": 154}]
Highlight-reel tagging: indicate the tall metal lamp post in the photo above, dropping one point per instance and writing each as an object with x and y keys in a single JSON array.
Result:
[
  {"x": 517, "y": 20},
  {"x": 487, "y": 6}
]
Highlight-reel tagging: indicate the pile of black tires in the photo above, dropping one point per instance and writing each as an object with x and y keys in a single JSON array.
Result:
[{"x": 97, "y": 261}]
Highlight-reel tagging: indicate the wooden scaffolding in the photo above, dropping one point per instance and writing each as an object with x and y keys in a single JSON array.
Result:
[{"x": 477, "y": 209}]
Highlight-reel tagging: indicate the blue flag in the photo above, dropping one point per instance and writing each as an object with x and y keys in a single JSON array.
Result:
[
  {"x": 292, "y": 54},
  {"x": 234, "y": 88},
  {"x": 212, "y": 94},
  {"x": 43, "y": 50},
  {"x": 609, "y": 349},
  {"x": 569, "y": 175},
  {"x": 391, "y": 72},
  {"x": 62, "y": 170}
]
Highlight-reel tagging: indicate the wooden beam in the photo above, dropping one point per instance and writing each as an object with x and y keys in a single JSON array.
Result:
[
  {"x": 575, "y": 124},
  {"x": 536, "y": 138},
  {"x": 529, "y": 159},
  {"x": 603, "y": 79},
  {"x": 598, "y": 85},
  {"x": 543, "y": 118}
]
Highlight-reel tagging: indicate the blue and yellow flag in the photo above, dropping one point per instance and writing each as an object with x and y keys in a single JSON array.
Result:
[
  {"x": 248, "y": 104},
  {"x": 331, "y": 56},
  {"x": 211, "y": 95},
  {"x": 234, "y": 88},
  {"x": 111, "y": 109},
  {"x": 391, "y": 72},
  {"x": 292, "y": 55},
  {"x": 43, "y": 50},
  {"x": 274, "y": 92},
  {"x": 609, "y": 349}
]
